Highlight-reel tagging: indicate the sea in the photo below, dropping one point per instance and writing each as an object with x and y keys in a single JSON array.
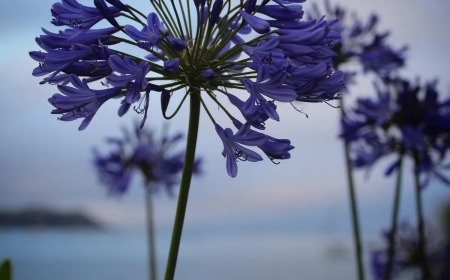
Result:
[{"x": 76, "y": 254}]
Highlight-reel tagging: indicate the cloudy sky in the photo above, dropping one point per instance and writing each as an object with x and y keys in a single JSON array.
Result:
[{"x": 45, "y": 162}]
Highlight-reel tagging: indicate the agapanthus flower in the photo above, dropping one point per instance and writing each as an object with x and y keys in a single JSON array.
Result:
[
  {"x": 407, "y": 254},
  {"x": 142, "y": 152},
  {"x": 404, "y": 118},
  {"x": 362, "y": 43},
  {"x": 281, "y": 59}
]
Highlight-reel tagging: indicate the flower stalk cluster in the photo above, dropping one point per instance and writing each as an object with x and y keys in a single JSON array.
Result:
[
  {"x": 407, "y": 120},
  {"x": 256, "y": 54},
  {"x": 156, "y": 162}
]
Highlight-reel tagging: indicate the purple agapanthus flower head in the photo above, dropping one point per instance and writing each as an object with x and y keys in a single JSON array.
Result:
[
  {"x": 207, "y": 53},
  {"x": 361, "y": 43},
  {"x": 155, "y": 159},
  {"x": 405, "y": 119}
]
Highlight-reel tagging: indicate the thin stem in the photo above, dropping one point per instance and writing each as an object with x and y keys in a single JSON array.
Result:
[
  {"x": 137, "y": 19},
  {"x": 353, "y": 205},
  {"x": 207, "y": 111},
  {"x": 137, "y": 11},
  {"x": 151, "y": 236},
  {"x": 194, "y": 117},
  {"x": 393, "y": 231},
  {"x": 132, "y": 18},
  {"x": 170, "y": 27},
  {"x": 178, "y": 108},
  {"x": 220, "y": 105},
  {"x": 420, "y": 225},
  {"x": 190, "y": 21},
  {"x": 184, "y": 19}
]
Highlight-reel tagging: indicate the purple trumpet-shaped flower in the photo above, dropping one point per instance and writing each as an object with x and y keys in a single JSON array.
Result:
[
  {"x": 131, "y": 72},
  {"x": 54, "y": 61},
  {"x": 264, "y": 110},
  {"x": 151, "y": 35},
  {"x": 82, "y": 18},
  {"x": 281, "y": 12},
  {"x": 80, "y": 101},
  {"x": 272, "y": 87},
  {"x": 274, "y": 148},
  {"x": 260, "y": 25},
  {"x": 233, "y": 149},
  {"x": 64, "y": 40}
]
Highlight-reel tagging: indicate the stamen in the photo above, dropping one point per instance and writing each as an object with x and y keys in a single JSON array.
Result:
[
  {"x": 76, "y": 23},
  {"x": 239, "y": 155},
  {"x": 336, "y": 107},
  {"x": 138, "y": 109},
  {"x": 273, "y": 160},
  {"x": 300, "y": 111}
]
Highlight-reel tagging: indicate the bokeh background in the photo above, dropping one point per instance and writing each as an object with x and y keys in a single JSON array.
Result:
[{"x": 286, "y": 221}]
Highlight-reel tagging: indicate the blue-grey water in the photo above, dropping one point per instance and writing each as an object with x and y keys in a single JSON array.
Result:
[{"x": 114, "y": 255}]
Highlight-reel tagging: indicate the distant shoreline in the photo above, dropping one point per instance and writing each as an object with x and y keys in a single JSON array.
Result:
[{"x": 46, "y": 218}]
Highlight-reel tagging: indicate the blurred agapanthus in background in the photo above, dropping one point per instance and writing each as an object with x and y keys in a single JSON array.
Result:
[
  {"x": 142, "y": 151},
  {"x": 361, "y": 44},
  {"x": 153, "y": 157},
  {"x": 405, "y": 118},
  {"x": 408, "y": 257}
]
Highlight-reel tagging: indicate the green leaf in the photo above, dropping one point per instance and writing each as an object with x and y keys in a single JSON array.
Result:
[{"x": 6, "y": 270}]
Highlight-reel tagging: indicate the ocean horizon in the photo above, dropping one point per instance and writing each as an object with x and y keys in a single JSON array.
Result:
[{"x": 76, "y": 254}]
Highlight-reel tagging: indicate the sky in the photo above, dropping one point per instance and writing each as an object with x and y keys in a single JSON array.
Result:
[{"x": 48, "y": 163}]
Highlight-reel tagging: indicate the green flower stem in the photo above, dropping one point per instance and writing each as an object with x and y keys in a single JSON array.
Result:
[
  {"x": 132, "y": 18},
  {"x": 177, "y": 88},
  {"x": 137, "y": 11},
  {"x": 151, "y": 236},
  {"x": 393, "y": 230},
  {"x": 137, "y": 19},
  {"x": 6, "y": 270},
  {"x": 420, "y": 225},
  {"x": 353, "y": 205},
  {"x": 223, "y": 28},
  {"x": 170, "y": 28},
  {"x": 236, "y": 78},
  {"x": 238, "y": 48},
  {"x": 178, "y": 108},
  {"x": 194, "y": 117},
  {"x": 189, "y": 18},
  {"x": 178, "y": 19},
  {"x": 232, "y": 76},
  {"x": 178, "y": 27},
  {"x": 207, "y": 111},
  {"x": 233, "y": 31},
  {"x": 229, "y": 85},
  {"x": 160, "y": 79},
  {"x": 184, "y": 19},
  {"x": 220, "y": 105}
]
